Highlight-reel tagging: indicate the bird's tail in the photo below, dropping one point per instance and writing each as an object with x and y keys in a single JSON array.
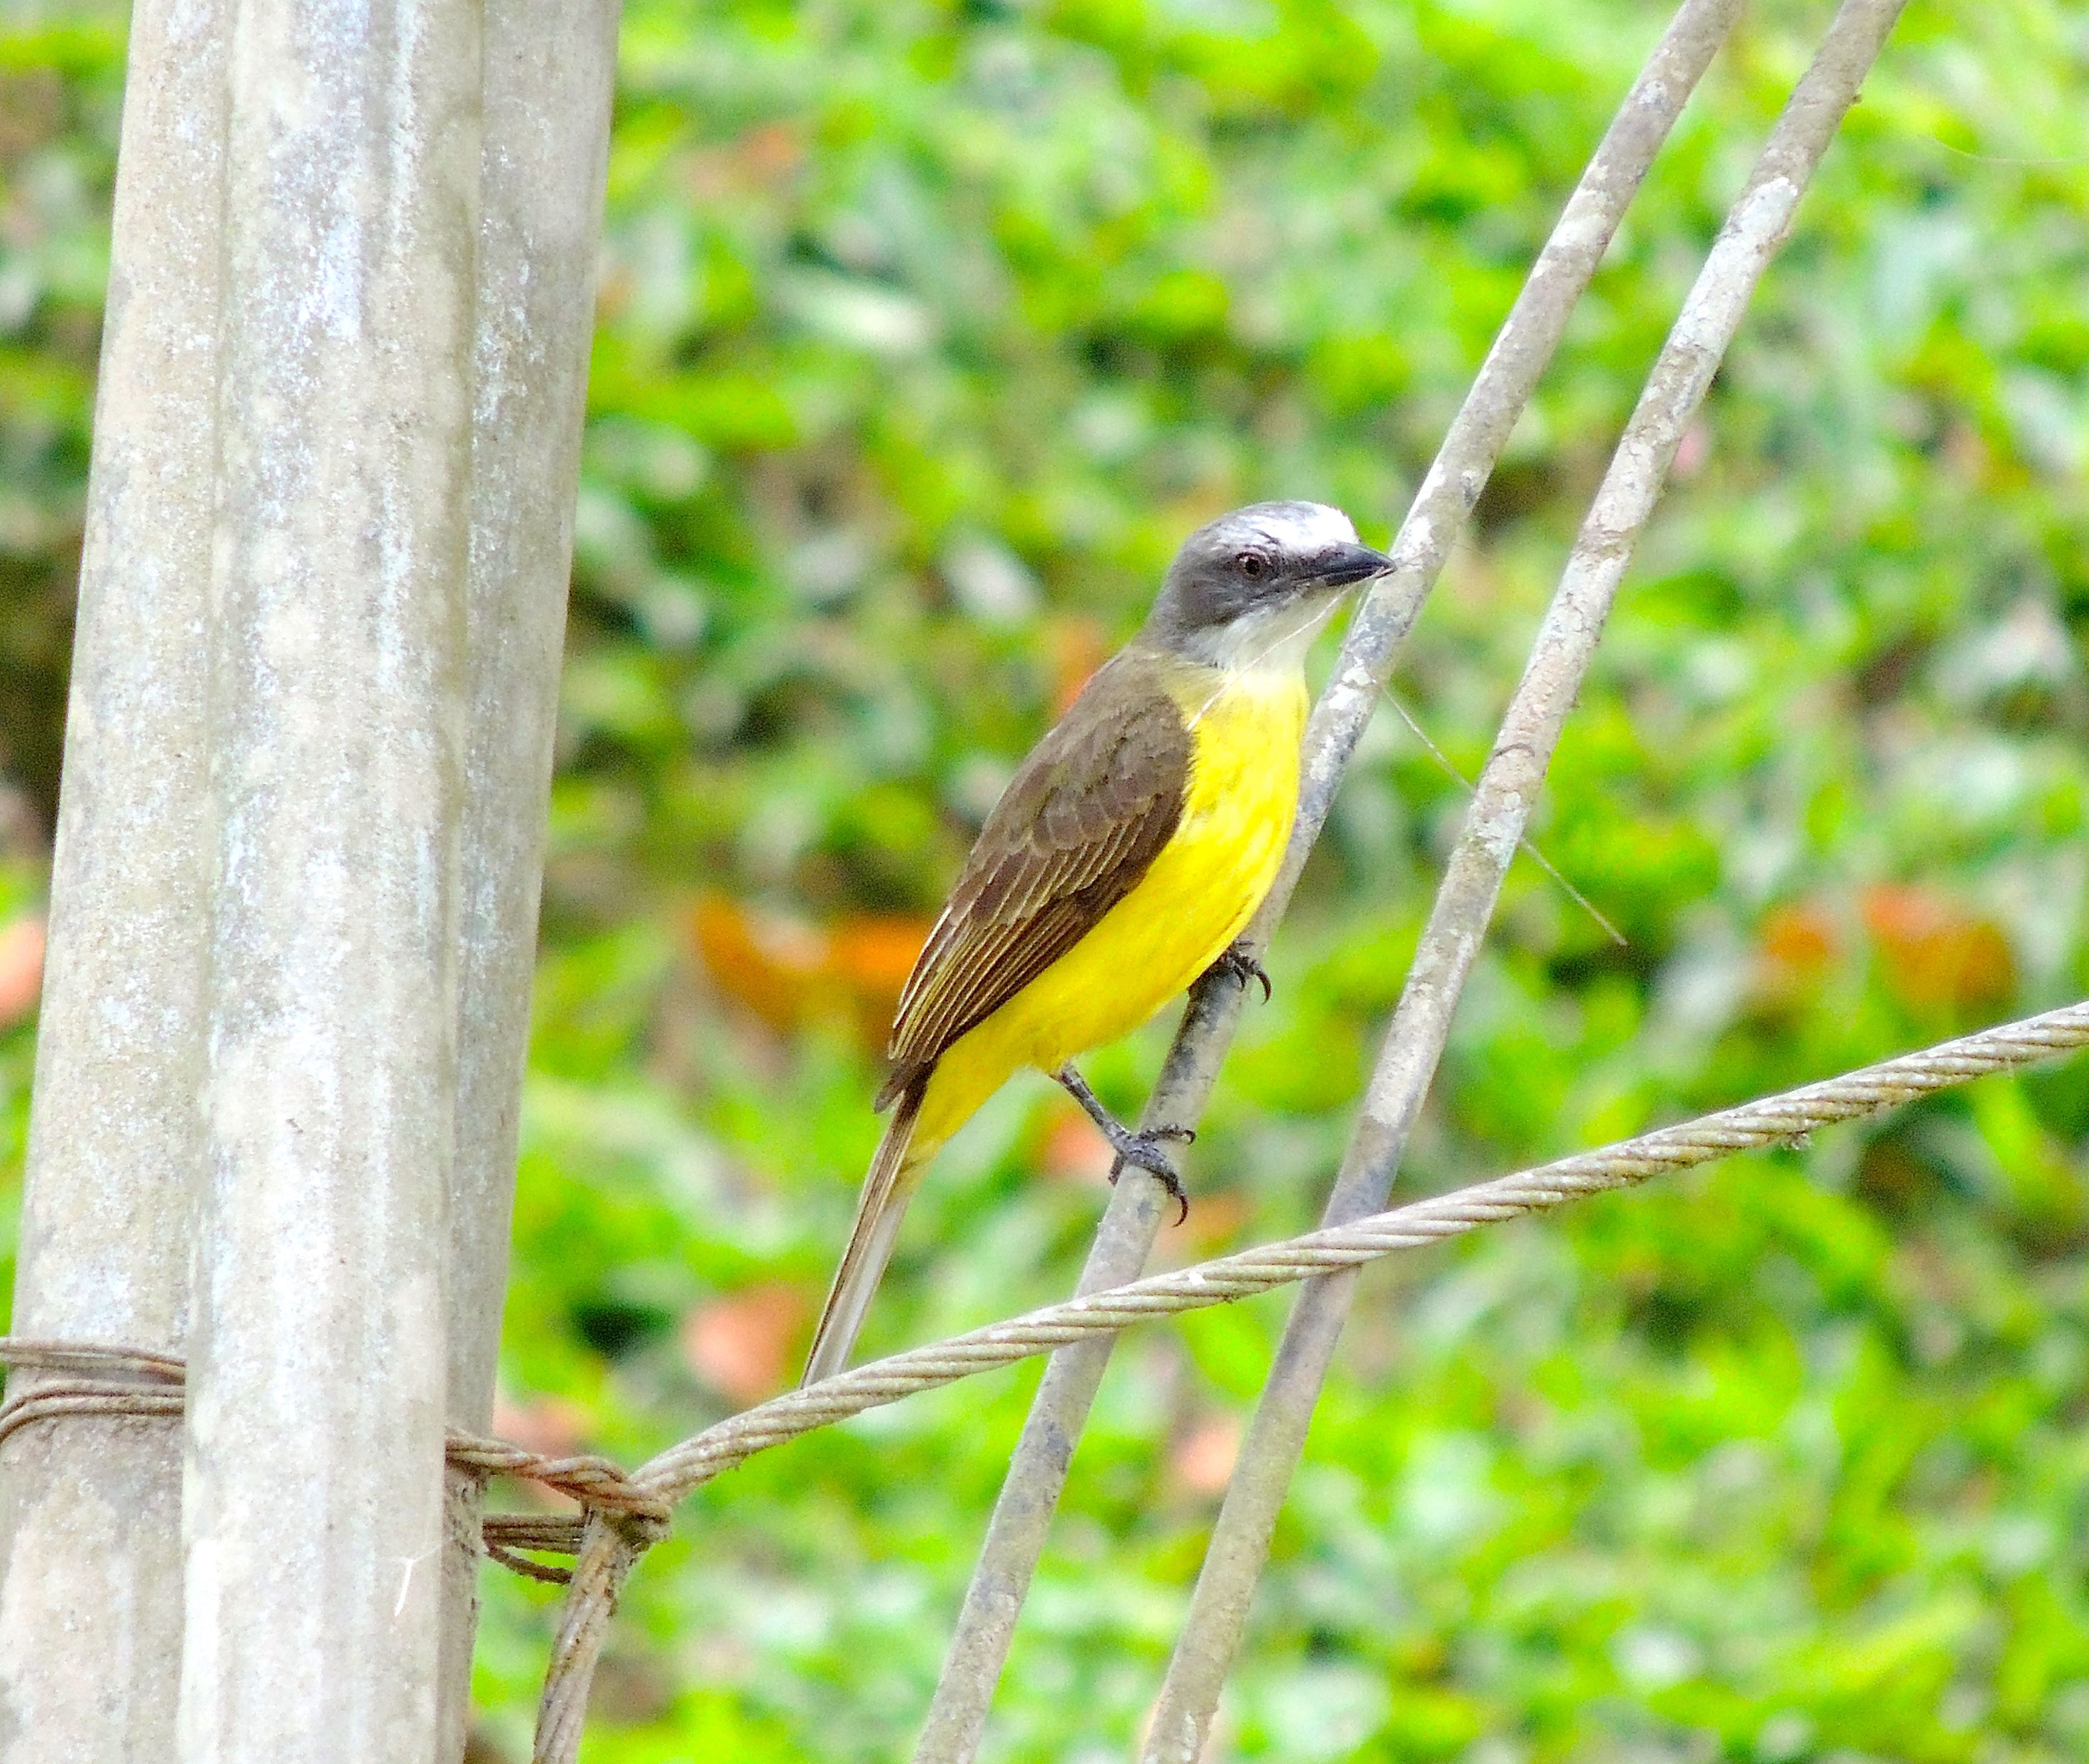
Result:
[{"x": 887, "y": 1190}]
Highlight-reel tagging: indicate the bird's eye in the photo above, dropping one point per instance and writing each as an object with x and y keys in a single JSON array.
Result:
[{"x": 1253, "y": 565}]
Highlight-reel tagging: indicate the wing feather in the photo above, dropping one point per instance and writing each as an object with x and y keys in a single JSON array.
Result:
[
  {"x": 1030, "y": 932},
  {"x": 1078, "y": 826}
]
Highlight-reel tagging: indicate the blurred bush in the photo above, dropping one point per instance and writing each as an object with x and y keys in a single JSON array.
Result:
[{"x": 926, "y": 332}]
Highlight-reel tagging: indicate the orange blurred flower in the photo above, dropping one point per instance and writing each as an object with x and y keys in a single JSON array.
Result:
[
  {"x": 1073, "y": 1149},
  {"x": 1795, "y": 947},
  {"x": 21, "y": 967},
  {"x": 789, "y": 973},
  {"x": 741, "y": 1346},
  {"x": 1934, "y": 954},
  {"x": 1202, "y": 1460}
]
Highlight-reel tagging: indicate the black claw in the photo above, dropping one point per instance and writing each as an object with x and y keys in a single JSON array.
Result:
[
  {"x": 1156, "y": 1165},
  {"x": 1241, "y": 967}
]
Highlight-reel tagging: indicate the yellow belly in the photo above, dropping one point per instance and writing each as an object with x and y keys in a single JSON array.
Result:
[{"x": 1197, "y": 897}]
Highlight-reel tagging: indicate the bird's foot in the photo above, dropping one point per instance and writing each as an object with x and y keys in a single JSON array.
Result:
[
  {"x": 1144, "y": 1149},
  {"x": 1241, "y": 967},
  {"x": 1139, "y": 1147}
]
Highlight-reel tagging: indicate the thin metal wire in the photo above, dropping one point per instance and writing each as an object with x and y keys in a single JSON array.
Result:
[
  {"x": 1756, "y": 226},
  {"x": 1528, "y": 335}
]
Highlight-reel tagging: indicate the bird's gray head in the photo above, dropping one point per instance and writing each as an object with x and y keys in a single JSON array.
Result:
[{"x": 1255, "y": 585}]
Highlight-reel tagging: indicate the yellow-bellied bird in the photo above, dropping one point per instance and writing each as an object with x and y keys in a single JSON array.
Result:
[{"x": 1121, "y": 862}]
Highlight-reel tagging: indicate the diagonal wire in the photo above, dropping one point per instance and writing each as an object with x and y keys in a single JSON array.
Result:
[
  {"x": 1756, "y": 226},
  {"x": 1530, "y": 851},
  {"x": 1037, "y": 1471}
]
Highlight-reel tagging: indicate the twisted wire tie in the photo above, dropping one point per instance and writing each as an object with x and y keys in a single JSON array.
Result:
[{"x": 92, "y": 1381}]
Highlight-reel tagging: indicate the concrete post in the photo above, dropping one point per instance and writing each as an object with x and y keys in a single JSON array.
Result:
[
  {"x": 549, "y": 72},
  {"x": 313, "y": 1512},
  {"x": 90, "y": 1530}
]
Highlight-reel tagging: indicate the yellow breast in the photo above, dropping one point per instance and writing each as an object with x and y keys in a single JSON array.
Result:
[{"x": 1196, "y": 897}]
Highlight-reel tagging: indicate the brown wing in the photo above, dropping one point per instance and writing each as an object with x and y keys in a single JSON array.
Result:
[{"x": 1075, "y": 830}]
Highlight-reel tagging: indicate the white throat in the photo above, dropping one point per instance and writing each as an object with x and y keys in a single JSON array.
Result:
[{"x": 1272, "y": 641}]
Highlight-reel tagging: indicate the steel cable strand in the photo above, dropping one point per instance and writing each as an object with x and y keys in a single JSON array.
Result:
[
  {"x": 1771, "y": 1120},
  {"x": 86, "y": 1396},
  {"x": 29, "y": 1354},
  {"x": 87, "y": 1378}
]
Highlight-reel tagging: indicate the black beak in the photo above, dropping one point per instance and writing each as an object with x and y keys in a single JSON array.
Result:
[{"x": 1344, "y": 565}]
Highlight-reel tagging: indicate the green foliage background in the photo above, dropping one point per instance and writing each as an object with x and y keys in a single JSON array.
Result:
[{"x": 926, "y": 332}]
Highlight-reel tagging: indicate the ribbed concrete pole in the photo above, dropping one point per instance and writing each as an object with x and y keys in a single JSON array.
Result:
[
  {"x": 317, "y": 1381},
  {"x": 549, "y": 74},
  {"x": 90, "y": 1518}
]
